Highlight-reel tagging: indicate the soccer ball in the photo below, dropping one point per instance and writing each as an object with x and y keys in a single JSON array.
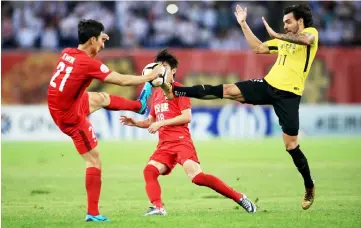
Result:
[{"x": 158, "y": 81}]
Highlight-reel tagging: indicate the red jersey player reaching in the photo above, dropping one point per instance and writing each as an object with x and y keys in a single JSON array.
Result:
[
  {"x": 69, "y": 104},
  {"x": 170, "y": 118}
]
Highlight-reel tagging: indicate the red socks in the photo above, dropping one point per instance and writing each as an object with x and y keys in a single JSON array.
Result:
[
  {"x": 121, "y": 103},
  {"x": 217, "y": 185},
  {"x": 93, "y": 184},
  {"x": 152, "y": 187}
]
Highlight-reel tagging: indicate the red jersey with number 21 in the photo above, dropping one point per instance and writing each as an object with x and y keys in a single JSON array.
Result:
[
  {"x": 74, "y": 72},
  {"x": 163, "y": 109}
]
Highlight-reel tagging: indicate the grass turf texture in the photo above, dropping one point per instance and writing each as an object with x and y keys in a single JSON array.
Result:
[{"x": 43, "y": 185}]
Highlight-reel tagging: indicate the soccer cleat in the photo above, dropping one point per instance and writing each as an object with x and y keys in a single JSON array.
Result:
[
  {"x": 144, "y": 96},
  {"x": 308, "y": 199},
  {"x": 247, "y": 204},
  {"x": 97, "y": 218},
  {"x": 155, "y": 211}
]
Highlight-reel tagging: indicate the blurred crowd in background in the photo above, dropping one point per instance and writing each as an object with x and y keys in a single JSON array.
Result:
[{"x": 133, "y": 24}]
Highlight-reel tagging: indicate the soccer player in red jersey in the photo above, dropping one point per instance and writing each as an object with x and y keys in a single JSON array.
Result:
[
  {"x": 170, "y": 118},
  {"x": 69, "y": 104}
]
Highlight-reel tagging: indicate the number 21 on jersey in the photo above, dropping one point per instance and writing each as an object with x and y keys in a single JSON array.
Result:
[{"x": 60, "y": 68}]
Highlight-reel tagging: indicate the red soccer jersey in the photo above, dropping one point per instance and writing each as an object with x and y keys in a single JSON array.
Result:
[
  {"x": 162, "y": 109},
  {"x": 74, "y": 72}
]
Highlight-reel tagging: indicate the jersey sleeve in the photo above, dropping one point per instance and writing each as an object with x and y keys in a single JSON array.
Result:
[
  {"x": 272, "y": 45},
  {"x": 98, "y": 70},
  {"x": 184, "y": 103},
  {"x": 313, "y": 31}
]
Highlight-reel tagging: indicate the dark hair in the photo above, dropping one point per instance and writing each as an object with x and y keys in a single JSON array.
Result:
[
  {"x": 301, "y": 11},
  {"x": 87, "y": 29},
  {"x": 165, "y": 56}
]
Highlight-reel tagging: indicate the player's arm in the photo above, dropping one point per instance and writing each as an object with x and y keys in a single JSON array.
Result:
[
  {"x": 300, "y": 38},
  {"x": 256, "y": 45},
  {"x": 98, "y": 70},
  {"x": 183, "y": 118},
  {"x": 167, "y": 90},
  {"x": 129, "y": 80},
  {"x": 304, "y": 38},
  {"x": 137, "y": 123}
]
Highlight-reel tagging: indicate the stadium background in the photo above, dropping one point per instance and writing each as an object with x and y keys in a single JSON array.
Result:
[{"x": 212, "y": 49}]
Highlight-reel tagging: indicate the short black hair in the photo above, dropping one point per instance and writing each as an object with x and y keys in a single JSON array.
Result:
[
  {"x": 165, "y": 56},
  {"x": 89, "y": 28},
  {"x": 301, "y": 11}
]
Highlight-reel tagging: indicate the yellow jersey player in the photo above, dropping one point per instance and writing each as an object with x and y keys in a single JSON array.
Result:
[{"x": 283, "y": 85}]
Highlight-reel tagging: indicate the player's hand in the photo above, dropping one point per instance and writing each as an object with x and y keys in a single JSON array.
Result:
[
  {"x": 168, "y": 90},
  {"x": 241, "y": 14},
  {"x": 154, "y": 127},
  {"x": 157, "y": 71},
  {"x": 127, "y": 121},
  {"x": 270, "y": 31}
]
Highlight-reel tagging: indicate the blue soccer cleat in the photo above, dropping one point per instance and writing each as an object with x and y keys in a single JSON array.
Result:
[
  {"x": 144, "y": 96},
  {"x": 97, "y": 218}
]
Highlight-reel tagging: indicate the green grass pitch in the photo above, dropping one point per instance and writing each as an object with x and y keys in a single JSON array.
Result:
[{"x": 43, "y": 185}]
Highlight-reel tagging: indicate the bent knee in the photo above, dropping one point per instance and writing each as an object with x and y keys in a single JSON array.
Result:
[
  {"x": 162, "y": 168},
  {"x": 192, "y": 169},
  {"x": 291, "y": 144},
  {"x": 230, "y": 90},
  {"x": 104, "y": 99},
  {"x": 92, "y": 159},
  {"x": 192, "y": 176},
  {"x": 93, "y": 162}
]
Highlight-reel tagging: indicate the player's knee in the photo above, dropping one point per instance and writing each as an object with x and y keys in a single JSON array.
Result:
[
  {"x": 93, "y": 162},
  {"x": 92, "y": 159},
  {"x": 290, "y": 138},
  {"x": 192, "y": 169},
  {"x": 192, "y": 176},
  {"x": 291, "y": 144},
  {"x": 150, "y": 171},
  {"x": 104, "y": 99},
  {"x": 229, "y": 90}
]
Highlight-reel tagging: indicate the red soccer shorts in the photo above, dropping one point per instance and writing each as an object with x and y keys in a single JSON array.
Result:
[
  {"x": 171, "y": 153},
  {"x": 75, "y": 123}
]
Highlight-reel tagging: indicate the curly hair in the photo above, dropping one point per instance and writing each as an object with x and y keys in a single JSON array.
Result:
[{"x": 301, "y": 11}]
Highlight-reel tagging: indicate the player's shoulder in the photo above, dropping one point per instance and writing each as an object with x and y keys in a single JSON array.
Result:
[
  {"x": 69, "y": 50},
  {"x": 312, "y": 30}
]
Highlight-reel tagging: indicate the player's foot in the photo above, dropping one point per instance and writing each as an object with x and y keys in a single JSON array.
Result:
[
  {"x": 308, "y": 199},
  {"x": 144, "y": 95},
  {"x": 247, "y": 204},
  {"x": 168, "y": 90},
  {"x": 97, "y": 218},
  {"x": 155, "y": 211}
]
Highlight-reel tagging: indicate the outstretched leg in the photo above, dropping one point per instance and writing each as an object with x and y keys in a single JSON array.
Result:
[
  {"x": 205, "y": 92},
  {"x": 113, "y": 102},
  {"x": 195, "y": 173}
]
